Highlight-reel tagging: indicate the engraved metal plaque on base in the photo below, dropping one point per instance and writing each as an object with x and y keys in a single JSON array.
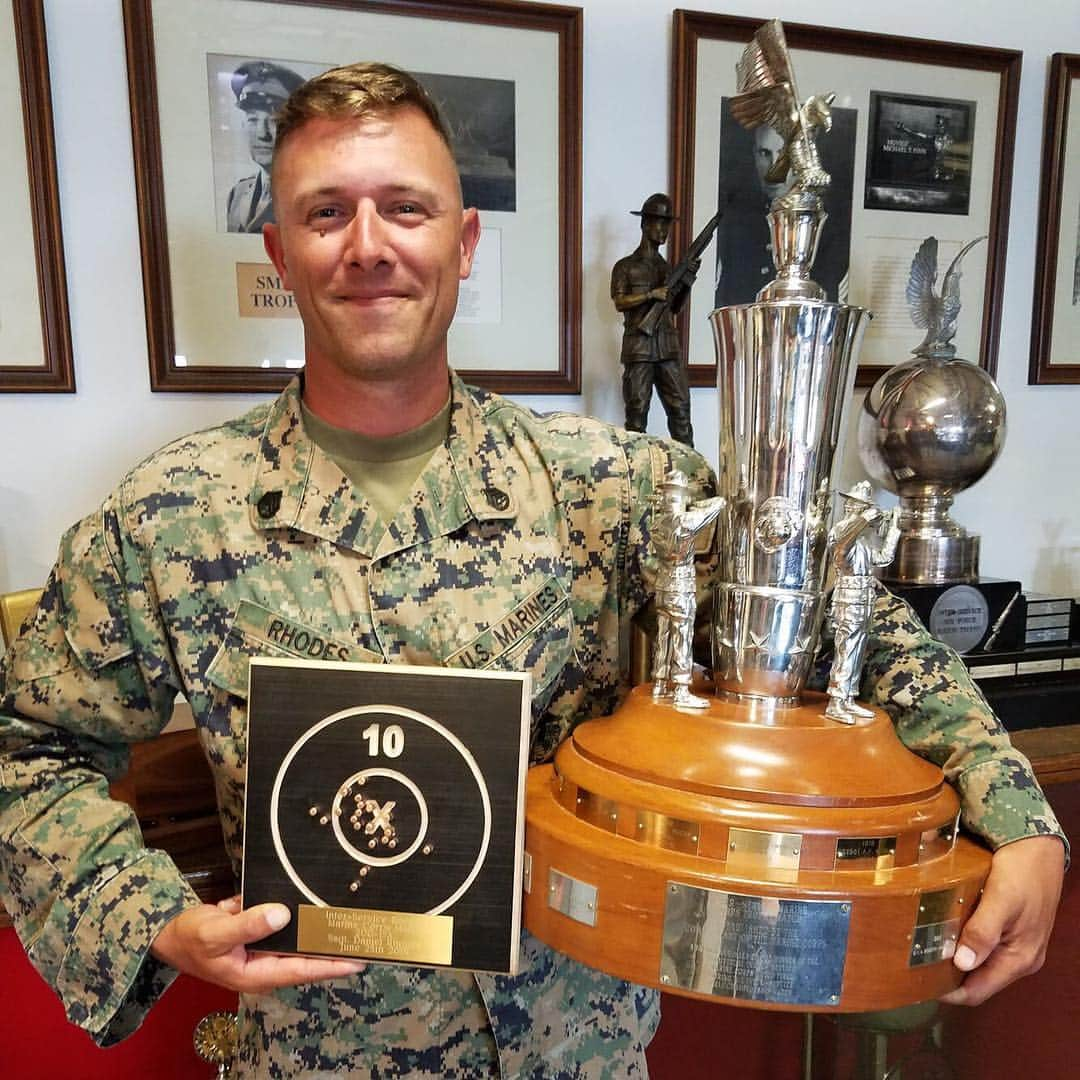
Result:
[
  {"x": 387, "y": 811},
  {"x": 754, "y": 948}
]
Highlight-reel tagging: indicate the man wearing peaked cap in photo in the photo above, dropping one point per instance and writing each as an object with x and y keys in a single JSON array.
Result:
[
  {"x": 261, "y": 88},
  {"x": 381, "y": 504}
]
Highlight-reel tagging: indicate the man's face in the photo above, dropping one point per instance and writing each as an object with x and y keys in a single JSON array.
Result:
[
  {"x": 261, "y": 128},
  {"x": 767, "y": 147},
  {"x": 656, "y": 228},
  {"x": 372, "y": 239}
]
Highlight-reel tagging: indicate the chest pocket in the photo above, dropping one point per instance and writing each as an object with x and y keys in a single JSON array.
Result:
[
  {"x": 257, "y": 631},
  {"x": 536, "y": 636}
]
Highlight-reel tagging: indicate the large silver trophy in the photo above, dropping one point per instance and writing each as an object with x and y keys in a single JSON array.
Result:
[
  {"x": 785, "y": 369},
  {"x": 929, "y": 428},
  {"x": 744, "y": 846}
]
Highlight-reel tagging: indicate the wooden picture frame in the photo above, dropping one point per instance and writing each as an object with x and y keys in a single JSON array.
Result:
[
  {"x": 217, "y": 319},
  {"x": 970, "y": 81},
  {"x": 1055, "y": 320},
  {"x": 35, "y": 329}
]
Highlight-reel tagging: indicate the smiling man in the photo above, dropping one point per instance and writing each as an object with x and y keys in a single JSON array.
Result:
[{"x": 384, "y": 509}]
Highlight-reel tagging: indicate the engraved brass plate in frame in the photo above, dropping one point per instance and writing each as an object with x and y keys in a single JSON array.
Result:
[
  {"x": 662, "y": 830},
  {"x": 865, "y": 853},
  {"x": 383, "y": 935},
  {"x": 935, "y": 843},
  {"x": 754, "y": 948},
  {"x": 756, "y": 851},
  {"x": 575, "y": 899}
]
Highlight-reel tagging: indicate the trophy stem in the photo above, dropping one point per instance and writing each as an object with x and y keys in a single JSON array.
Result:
[
  {"x": 933, "y": 549},
  {"x": 796, "y": 230}
]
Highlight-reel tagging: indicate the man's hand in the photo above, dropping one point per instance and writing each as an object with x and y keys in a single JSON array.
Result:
[
  {"x": 1006, "y": 937},
  {"x": 210, "y": 942}
]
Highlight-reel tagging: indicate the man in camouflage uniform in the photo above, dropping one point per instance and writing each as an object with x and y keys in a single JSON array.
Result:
[{"x": 237, "y": 541}]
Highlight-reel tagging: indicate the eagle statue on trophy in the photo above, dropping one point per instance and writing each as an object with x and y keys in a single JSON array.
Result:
[
  {"x": 767, "y": 94},
  {"x": 936, "y": 313}
]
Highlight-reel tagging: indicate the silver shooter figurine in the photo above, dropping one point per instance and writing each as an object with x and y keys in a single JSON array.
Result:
[
  {"x": 675, "y": 527},
  {"x": 857, "y": 545}
]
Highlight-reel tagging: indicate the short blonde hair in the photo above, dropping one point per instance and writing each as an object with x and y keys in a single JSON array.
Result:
[{"x": 356, "y": 91}]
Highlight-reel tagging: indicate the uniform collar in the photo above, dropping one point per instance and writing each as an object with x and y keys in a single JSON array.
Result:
[{"x": 297, "y": 487}]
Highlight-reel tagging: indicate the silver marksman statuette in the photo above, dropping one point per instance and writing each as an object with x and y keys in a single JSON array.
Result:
[
  {"x": 675, "y": 528},
  {"x": 857, "y": 544}
]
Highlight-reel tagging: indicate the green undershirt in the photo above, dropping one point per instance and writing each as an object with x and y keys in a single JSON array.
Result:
[{"x": 383, "y": 470}]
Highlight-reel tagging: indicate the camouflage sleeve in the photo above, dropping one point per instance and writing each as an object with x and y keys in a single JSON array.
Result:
[
  {"x": 942, "y": 715},
  {"x": 89, "y": 675}
]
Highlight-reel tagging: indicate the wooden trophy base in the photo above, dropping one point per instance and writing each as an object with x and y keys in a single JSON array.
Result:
[{"x": 751, "y": 855}]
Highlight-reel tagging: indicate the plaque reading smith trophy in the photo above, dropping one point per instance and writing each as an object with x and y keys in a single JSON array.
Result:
[
  {"x": 764, "y": 844},
  {"x": 385, "y": 808}
]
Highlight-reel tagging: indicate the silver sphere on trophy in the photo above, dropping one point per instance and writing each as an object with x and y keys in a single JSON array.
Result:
[{"x": 929, "y": 428}]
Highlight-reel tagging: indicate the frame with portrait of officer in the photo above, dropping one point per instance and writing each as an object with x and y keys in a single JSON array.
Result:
[{"x": 203, "y": 79}]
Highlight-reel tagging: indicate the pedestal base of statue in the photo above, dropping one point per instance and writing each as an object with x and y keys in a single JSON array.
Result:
[
  {"x": 983, "y": 615},
  {"x": 751, "y": 855}
]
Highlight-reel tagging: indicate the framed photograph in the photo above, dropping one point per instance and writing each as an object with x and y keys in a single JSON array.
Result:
[
  {"x": 205, "y": 79},
  {"x": 1055, "y": 322},
  {"x": 35, "y": 334},
  {"x": 921, "y": 145}
]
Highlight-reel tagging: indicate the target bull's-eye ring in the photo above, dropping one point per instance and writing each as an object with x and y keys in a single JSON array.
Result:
[{"x": 355, "y": 853}]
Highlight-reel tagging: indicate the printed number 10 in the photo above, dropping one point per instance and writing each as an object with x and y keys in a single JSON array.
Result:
[{"x": 393, "y": 740}]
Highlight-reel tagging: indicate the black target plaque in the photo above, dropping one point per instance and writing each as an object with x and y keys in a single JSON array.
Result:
[{"x": 385, "y": 808}]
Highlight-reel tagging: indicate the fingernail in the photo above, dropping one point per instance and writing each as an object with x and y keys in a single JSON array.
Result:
[
  {"x": 277, "y": 917},
  {"x": 965, "y": 958}
]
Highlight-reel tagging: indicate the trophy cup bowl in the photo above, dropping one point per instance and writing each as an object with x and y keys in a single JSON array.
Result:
[
  {"x": 928, "y": 429},
  {"x": 784, "y": 371},
  {"x": 750, "y": 847}
]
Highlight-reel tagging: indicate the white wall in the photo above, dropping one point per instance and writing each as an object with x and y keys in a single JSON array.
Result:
[{"x": 63, "y": 452}]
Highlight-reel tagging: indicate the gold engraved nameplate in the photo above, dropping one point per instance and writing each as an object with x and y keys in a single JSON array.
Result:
[{"x": 382, "y": 935}]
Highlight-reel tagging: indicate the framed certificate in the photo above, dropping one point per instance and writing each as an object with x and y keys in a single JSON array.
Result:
[{"x": 35, "y": 331}]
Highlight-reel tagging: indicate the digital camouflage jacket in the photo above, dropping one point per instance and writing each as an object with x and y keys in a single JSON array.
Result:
[{"x": 247, "y": 540}]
